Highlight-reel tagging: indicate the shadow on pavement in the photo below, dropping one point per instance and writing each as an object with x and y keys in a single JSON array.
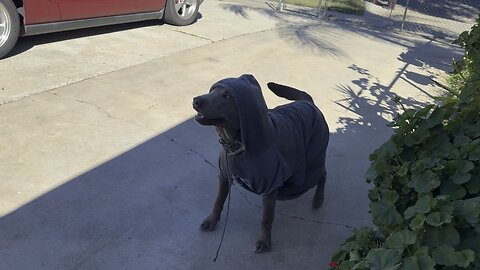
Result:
[
  {"x": 142, "y": 209},
  {"x": 26, "y": 43},
  {"x": 458, "y": 10},
  {"x": 461, "y": 13}
]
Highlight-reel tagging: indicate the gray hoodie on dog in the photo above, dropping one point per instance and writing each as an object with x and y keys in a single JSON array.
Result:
[{"x": 284, "y": 147}]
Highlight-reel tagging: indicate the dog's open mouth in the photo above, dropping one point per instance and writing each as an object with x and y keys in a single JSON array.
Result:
[{"x": 202, "y": 120}]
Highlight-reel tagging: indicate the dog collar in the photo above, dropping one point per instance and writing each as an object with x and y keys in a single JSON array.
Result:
[{"x": 232, "y": 146}]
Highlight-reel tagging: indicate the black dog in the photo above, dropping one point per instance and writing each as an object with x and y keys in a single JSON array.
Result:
[{"x": 277, "y": 153}]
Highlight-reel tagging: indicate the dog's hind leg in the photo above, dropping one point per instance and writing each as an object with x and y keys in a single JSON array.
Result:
[
  {"x": 211, "y": 221},
  {"x": 319, "y": 192}
]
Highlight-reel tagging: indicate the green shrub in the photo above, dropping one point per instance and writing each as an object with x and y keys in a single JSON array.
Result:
[
  {"x": 426, "y": 199},
  {"x": 344, "y": 6},
  {"x": 467, "y": 71}
]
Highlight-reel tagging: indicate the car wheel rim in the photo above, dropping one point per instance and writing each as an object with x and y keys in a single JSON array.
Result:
[
  {"x": 185, "y": 8},
  {"x": 5, "y": 25}
]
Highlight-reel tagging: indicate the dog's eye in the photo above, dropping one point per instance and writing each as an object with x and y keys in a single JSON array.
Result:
[{"x": 227, "y": 96}]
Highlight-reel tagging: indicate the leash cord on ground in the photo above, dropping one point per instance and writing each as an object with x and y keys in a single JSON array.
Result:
[
  {"x": 225, "y": 225},
  {"x": 292, "y": 216}
]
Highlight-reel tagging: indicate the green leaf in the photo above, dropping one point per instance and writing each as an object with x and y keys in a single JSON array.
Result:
[
  {"x": 401, "y": 239},
  {"x": 425, "y": 203},
  {"x": 386, "y": 181},
  {"x": 422, "y": 206},
  {"x": 424, "y": 112},
  {"x": 461, "y": 178},
  {"x": 435, "y": 118},
  {"x": 477, "y": 228},
  {"x": 374, "y": 194},
  {"x": 421, "y": 251},
  {"x": 463, "y": 166},
  {"x": 417, "y": 137},
  {"x": 419, "y": 262},
  {"x": 453, "y": 190},
  {"x": 410, "y": 212},
  {"x": 346, "y": 265},
  {"x": 406, "y": 190},
  {"x": 438, "y": 146},
  {"x": 371, "y": 173},
  {"x": 445, "y": 206},
  {"x": 473, "y": 131},
  {"x": 361, "y": 265},
  {"x": 461, "y": 140},
  {"x": 444, "y": 235},
  {"x": 475, "y": 154},
  {"x": 382, "y": 259},
  {"x": 445, "y": 255},
  {"x": 403, "y": 170},
  {"x": 387, "y": 150},
  {"x": 471, "y": 147},
  {"x": 348, "y": 246},
  {"x": 380, "y": 166},
  {"x": 465, "y": 258},
  {"x": 417, "y": 222},
  {"x": 390, "y": 196},
  {"x": 353, "y": 255},
  {"x": 425, "y": 163},
  {"x": 470, "y": 240},
  {"x": 385, "y": 213},
  {"x": 438, "y": 218},
  {"x": 471, "y": 211},
  {"x": 339, "y": 255},
  {"x": 410, "y": 112},
  {"x": 425, "y": 181},
  {"x": 473, "y": 186}
]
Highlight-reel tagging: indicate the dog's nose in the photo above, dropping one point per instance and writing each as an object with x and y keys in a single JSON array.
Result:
[{"x": 197, "y": 103}]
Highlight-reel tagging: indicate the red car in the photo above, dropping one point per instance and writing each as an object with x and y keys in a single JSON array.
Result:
[{"x": 32, "y": 17}]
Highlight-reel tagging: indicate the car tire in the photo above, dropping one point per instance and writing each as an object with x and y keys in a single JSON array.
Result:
[
  {"x": 181, "y": 12},
  {"x": 9, "y": 26}
]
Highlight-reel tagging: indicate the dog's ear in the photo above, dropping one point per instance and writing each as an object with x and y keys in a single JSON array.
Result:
[{"x": 288, "y": 92}]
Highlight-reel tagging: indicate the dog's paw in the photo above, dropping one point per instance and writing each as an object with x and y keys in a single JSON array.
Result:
[
  {"x": 208, "y": 224},
  {"x": 317, "y": 202},
  {"x": 262, "y": 246}
]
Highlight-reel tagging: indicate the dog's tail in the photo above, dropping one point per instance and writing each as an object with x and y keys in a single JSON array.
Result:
[{"x": 288, "y": 92}]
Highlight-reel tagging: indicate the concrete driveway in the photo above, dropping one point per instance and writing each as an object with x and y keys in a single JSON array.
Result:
[{"x": 102, "y": 167}]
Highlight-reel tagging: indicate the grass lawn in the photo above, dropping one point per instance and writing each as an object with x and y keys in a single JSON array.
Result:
[{"x": 345, "y": 6}]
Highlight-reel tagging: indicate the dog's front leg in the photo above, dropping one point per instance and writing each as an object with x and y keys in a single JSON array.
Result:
[
  {"x": 210, "y": 222},
  {"x": 264, "y": 242}
]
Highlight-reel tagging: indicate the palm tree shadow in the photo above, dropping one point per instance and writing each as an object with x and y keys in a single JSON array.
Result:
[{"x": 458, "y": 10}]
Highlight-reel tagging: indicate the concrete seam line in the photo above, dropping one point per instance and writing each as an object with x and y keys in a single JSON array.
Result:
[
  {"x": 62, "y": 85},
  {"x": 193, "y": 35},
  {"x": 191, "y": 150},
  {"x": 109, "y": 115},
  {"x": 293, "y": 216}
]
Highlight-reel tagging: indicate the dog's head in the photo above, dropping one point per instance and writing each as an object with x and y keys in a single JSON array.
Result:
[{"x": 217, "y": 108}]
